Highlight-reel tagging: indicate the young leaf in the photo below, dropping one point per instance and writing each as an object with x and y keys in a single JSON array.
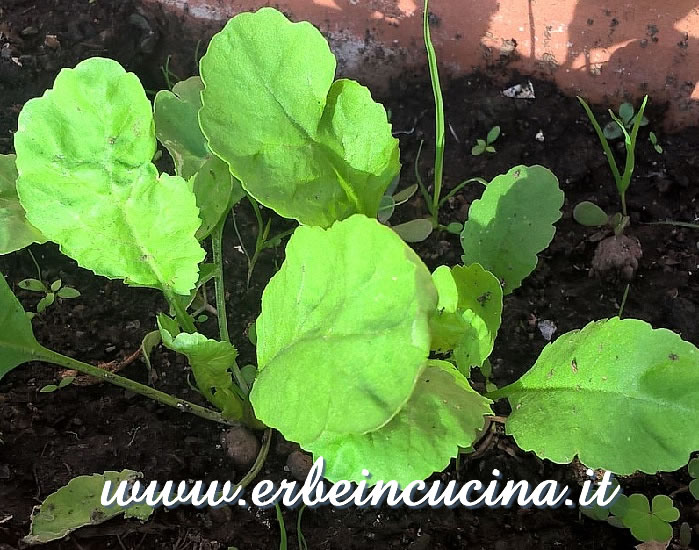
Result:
[
  {"x": 87, "y": 182},
  {"x": 414, "y": 231},
  {"x": 68, "y": 293},
  {"x": 77, "y": 504},
  {"x": 650, "y": 523},
  {"x": 46, "y": 301},
  {"x": 177, "y": 125},
  {"x": 493, "y": 135},
  {"x": 620, "y": 395},
  {"x": 626, "y": 113},
  {"x": 406, "y": 194},
  {"x": 490, "y": 149},
  {"x": 177, "y": 128},
  {"x": 308, "y": 148},
  {"x": 56, "y": 285},
  {"x": 455, "y": 228},
  {"x": 589, "y": 214},
  {"x": 216, "y": 191},
  {"x": 478, "y": 148},
  {"x": 211, "y": 363},
  {"x": 442, "y": 414},
  {"x": 344, "y": 330},
  {"x": 148, "y": 344},
  {"x": 693, "y": 468},
  {"x": 612, "y": 131},
  {"x": 386, "y": 208},
  {"x": 469, "y": 328},
  {"x": 512, "y": 222},
  {"x": 34, "y": 285},
  {"x": 15, "y": 231}
]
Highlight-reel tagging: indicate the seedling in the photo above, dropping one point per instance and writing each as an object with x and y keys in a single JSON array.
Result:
[
  {"x": 368, "y": 364},
  {"x": 624, "y": 121},
  {"x": 486, "y": 145},
  {"x": 654, "y": 142},
  {"x": 50, "y": 293}
]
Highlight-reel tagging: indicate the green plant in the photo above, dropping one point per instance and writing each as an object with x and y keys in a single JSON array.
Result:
[
  {"x": 654, "y": 142},
  {"x": 486, "y": 145},
  {"x": 627, "y": 125},
  {"x": 372, "y": 351},
  {"x": 694, "y": 474},
  {"x": 50, "y": 293},
  {"x": 624, "y": 121}
]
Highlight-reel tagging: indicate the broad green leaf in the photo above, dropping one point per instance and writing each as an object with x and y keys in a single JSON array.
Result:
[
  {"x": 589, "y": 214},
  {"x": 17, "y": 342},
  {"x": 177, "y": 128},
  {"x": 87, "y": 182},
  {"x": 442, "y": 414},
  {"x": 620, "y": 395},
  {"x": 305, "y": 146},
  {"x": 512, "y": 222},
  {"x": 211, "y": 362},
  {"x": 77, "y": 504},
  {"x": 414, "y": 231},
  {"x": 177, "y": 125},
  {"x": 469, "y": 329},
  {"x": 15, "y": 231},
  {"x": 344, "y": 330}
]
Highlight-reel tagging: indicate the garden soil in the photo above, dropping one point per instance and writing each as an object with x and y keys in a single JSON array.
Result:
[{"x": 49, "y": 438}]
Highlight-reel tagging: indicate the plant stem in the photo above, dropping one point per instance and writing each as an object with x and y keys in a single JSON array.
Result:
[
  {"x": 161, "y": 397},
  {"x": 220, "y": 291},
  {"x": 439, "y": 115},
  {"x": 219, "y": 288},
  {"x": 460, "y": 187},
  {"x": 259, "y": 461},
  {"x": 183, "y": 318}
]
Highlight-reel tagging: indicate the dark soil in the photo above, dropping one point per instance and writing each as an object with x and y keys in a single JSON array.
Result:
[{"x": 48, "y": 438}]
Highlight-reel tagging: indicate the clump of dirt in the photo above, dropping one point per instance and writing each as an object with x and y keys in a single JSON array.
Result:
[{"x": 618, "y": 254}]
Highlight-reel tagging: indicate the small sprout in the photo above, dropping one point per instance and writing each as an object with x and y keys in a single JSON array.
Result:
[
  {"x": 50, "y": 388},
  {"x": 589, "y": 214},
  {"x": 693, "y": 468},
  {"x": 45, "y": 302},
  {"x": 625, "y": 121},
  {"x": 455, "y": 228},
  {"x": 68, "y": 293},
  {"x": 202, "y": 318},
  {"x": 647, "y": 521},
  {"x": 56, "y": 285},
  {"x": 486, "y": 145},
  {"x": 685, "y": 535},
  {"x": 654, "y": 142}
]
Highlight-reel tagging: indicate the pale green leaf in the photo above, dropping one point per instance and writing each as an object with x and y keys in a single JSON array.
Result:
[
  {"x": 620, "y": 395},
  {"x": 87, "y": 182},
  {"x": 442, "y": 414},
  {"x": 68, "y": 293},
  {"x": 447, "y": 291},
  {"x": 493, "y": 134},
  {"x": 15, "y": 231},
  {"x": 344, "y": 330},
  {"x": 212, "y": 362},
  {"x": 46, "y": 301},
  {"x": 56, "y": 285},
  {"x": 470, "y": 329},
  {"x": 512, "y": 222},
  {"x": 77, "y": 504},
  {"x": 305, "y": 146}
]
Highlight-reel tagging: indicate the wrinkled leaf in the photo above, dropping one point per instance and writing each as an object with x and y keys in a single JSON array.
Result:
[
  {"x": 344, "y": 330},
  {"x": 471, "y": 327},
  {"x": 442, "y": 414},
  {"x": 305, "y": 146},
  {"x": 87, "y": 182},
  {"x": 512, "y": 222},
  {"x": 589, "y": 214},
  {"x": 211, "y": 362},
  {"x": 15, "y": 231},
  {"x": 77, "y": 504},
  {"x": 620, "y": 395},
  {"x": 414, "y": 231}
]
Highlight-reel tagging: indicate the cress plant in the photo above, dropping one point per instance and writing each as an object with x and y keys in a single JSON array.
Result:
[{"x": 363, "y": 354}]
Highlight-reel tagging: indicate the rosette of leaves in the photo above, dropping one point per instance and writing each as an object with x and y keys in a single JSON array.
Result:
[
  {"x": 626, "y": 118},
  {"x": 306, "y": 145},
  {"x": 345, "y": 331}
]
